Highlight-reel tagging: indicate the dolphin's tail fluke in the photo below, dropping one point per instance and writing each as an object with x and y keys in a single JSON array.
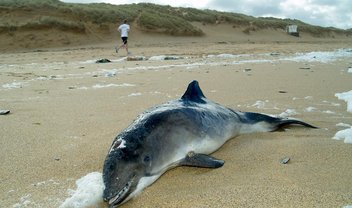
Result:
[
  {"x": 287, "y": 122},
  {"x": 257, "y": 122}
]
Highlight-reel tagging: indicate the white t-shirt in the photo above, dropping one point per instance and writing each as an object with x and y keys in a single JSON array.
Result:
[{"x": 124, "y": 29}]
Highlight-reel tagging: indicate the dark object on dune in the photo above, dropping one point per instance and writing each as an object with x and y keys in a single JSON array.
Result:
[{"x": 103, "y": 61}]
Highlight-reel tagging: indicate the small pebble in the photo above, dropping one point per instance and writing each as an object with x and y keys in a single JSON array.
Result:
[
  {"x": 4, "y": 112},
  {"x": 285, "y": 160}
]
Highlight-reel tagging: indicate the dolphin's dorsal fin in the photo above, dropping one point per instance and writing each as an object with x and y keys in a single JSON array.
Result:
[{"x": 193, "y": 93}]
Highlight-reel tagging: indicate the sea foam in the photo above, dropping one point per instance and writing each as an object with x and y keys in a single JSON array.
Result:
[
  {"x": 321, "y": 56},
  {"x": 347, "y": 97},
  {"x": 343, "y": 125},
  {"x": 345, "y": 135},
  {"x": 14, "y": 85},
  {"x": 89, "y": 192},
  {"x": 164, "y": 57},
  {"x": 288, "y": 113},
  {"x": 99, "y": 86},
  {"x": 310, "y": 109}
]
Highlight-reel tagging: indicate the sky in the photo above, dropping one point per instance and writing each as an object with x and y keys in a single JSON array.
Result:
[{"x": 326, "y": 13}]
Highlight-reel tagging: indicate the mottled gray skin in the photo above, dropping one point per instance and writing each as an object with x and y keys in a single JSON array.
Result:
[{"x": 180, "y": 132}]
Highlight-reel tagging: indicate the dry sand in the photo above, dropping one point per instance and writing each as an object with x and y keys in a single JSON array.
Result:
[{"x": 61, "y": 127}]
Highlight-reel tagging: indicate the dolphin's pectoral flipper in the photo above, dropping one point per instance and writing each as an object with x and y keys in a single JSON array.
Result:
[{"x": 201, "y": 160}]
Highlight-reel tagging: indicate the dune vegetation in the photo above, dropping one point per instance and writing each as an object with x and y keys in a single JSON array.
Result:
[
  {"x": 17, "y": 16},
  {"x": 149, "y": 17}
]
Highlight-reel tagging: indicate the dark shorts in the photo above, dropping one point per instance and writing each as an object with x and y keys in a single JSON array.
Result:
[{"x": 124, "y": 40}]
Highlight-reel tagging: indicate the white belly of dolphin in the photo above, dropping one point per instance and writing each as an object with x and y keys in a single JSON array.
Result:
[
  {"x": 206, "y": 145},
  {"x": 143, "y": 182}
]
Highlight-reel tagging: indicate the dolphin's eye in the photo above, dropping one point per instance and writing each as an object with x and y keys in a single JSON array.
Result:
[
  {"x": 111, "y": 166},
  {"x": 146, "y": 159}
]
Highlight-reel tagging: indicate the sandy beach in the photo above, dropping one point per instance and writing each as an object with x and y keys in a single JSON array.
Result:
[{"x": 66, "y": 110}]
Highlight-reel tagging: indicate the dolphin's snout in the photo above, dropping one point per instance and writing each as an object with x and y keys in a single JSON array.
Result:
[
  {"x": 115, "y": 196},
  {"x": 107, "y": 195}
]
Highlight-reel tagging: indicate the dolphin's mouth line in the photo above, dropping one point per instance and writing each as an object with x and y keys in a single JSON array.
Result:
[{"x": 121, "y": 195}]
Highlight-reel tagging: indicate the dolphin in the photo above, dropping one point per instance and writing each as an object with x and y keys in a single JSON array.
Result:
[{"x": 181, "y": 132}]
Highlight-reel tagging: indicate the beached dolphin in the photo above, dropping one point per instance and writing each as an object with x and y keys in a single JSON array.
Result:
[{"x": 179, "y": 132}]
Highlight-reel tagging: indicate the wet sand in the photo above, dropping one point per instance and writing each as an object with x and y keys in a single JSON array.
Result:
[{"x": 66, "y": 110}]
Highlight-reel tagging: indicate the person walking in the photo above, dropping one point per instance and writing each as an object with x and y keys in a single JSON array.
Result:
[{"x": 124, "y": 29}]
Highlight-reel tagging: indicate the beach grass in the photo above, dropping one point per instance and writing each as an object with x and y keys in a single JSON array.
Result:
[{"x": 150, "y": 17}]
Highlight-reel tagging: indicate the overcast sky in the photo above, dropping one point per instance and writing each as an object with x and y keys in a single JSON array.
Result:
[{"x": 335, "y": 13}]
